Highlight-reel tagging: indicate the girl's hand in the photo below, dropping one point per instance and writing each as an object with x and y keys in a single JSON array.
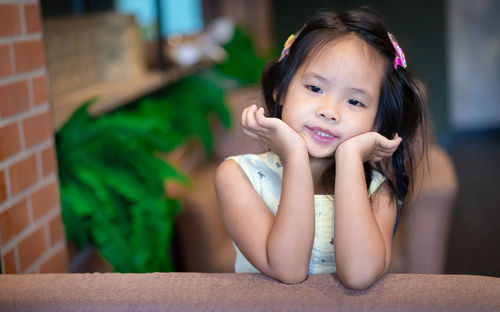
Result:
[
  {"x": 371, "y": 146},
  {"x": 273, "y": 132}
]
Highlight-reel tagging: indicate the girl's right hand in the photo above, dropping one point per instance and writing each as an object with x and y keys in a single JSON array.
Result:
[{"x": 273, "y": 132}]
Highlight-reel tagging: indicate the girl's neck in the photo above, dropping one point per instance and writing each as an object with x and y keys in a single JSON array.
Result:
[{"x": 318, "y": 167}]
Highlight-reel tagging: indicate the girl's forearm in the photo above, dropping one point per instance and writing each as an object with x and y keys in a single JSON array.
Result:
[
  {"x": 291, "y": 237},
  {"x": 359, "y": 246}
]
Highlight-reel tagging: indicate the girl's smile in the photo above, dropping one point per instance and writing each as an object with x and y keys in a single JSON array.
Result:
[
  {"x": 334, "y": 95},
  {"x": 322, "y": 135}
]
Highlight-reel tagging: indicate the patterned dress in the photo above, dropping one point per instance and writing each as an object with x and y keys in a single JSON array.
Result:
[{"x": 265, "y": 172}]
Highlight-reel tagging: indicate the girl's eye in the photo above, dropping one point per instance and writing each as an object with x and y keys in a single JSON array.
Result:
[
  {"x": 355, "y": 102},
  {"x": 314, "y": 89}
]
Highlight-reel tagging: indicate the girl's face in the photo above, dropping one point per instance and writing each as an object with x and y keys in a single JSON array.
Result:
[{"x": 334, "y": 96}]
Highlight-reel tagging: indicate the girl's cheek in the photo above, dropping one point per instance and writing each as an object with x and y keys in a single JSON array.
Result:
[{"x": 376, "y": 126}]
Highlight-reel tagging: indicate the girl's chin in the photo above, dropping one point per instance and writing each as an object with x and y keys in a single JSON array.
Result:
[
  {"x": 321, "y": 154},
  {"x": 320, "y": 150}
]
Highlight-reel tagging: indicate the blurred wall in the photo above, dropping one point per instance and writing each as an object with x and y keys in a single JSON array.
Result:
[{"x": 473, "y": 29}]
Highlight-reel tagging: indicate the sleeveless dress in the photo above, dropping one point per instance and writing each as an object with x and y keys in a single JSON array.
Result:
[{"x": 265, "y": 172}]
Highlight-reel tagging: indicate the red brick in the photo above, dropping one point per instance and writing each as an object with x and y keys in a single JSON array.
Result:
[
  {"x": 37, "y": 128},
  {"x": 40, "y": 90},
  {"x": 10, "y": 23},
  {"x": 44, "y": 199},
  {"x": 13, "y": 98},
  {"x": 23, "y": 174},
  {"x": 3, "y": 187},
  {"x": 49, "y": 162},
  {"x": 31, "y": 248},
  {"x": 32, "y": 15},
  {"x": 56, "y": 228},
  {"x": 13, "y": 221},
  {"x": 58, "y": 263},
  {"x": 29, "y": 55},
  {"x": 5, "y": 67},
  {"x": 9, "y": 142},
  {"x": 9, "y": 261}
]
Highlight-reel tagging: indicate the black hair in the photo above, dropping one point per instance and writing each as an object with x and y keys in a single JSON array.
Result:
[{"x": 401, "y": 106}]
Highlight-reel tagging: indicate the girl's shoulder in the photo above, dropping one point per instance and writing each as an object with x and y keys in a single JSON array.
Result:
[
  {"x": 258, "y": 162},
  {"x": 266, "y": 157},
  {"x": 264, "y": 171}
]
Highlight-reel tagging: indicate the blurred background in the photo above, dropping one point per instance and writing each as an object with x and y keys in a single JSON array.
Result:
[{"x": 114, "y": 115}]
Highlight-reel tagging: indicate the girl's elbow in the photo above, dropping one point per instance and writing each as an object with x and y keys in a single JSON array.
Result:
[
  {"x": 295, "y": 279},
  {"x": 359, "y": 279},
  {"x": 291, "y": 276},
  {"x": 356, "y": 282}
]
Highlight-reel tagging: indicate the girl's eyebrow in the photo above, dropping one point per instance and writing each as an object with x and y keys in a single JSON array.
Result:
[
  {"x": 361, "y": 91},
  {"x": 318, "y": 77}
]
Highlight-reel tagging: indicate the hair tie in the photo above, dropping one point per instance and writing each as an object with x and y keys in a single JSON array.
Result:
[
  {"x": 286, "y": 47},
  {"x": 400, "y": 59}
]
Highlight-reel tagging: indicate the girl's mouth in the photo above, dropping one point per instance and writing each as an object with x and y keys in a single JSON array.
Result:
[{"x": 321, "y": 134}]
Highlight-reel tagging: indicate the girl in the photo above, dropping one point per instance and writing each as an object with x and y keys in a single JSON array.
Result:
[{"x": 342, "y": 104}]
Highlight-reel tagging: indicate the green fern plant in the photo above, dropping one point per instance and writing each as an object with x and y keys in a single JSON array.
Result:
[
  {"x": 112, "y": 173},
  {"x": 112, "y": 170},
  {"x": 243, "y": 63},
  {"x": 187, "y": 106}
]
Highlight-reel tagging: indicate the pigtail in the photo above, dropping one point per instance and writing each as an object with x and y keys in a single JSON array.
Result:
[
  {"x": 275, "y": 79},
  {"x": 271, "y": 75}
]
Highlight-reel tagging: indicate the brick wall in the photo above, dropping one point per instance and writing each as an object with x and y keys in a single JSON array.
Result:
[{"x": 32, "y": 236}]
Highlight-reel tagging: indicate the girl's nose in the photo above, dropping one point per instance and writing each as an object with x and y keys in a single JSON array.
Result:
[{"x": 328, "y": 112}]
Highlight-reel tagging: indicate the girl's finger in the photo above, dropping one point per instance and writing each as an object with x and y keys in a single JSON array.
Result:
[
  {"x": 389, "y": 144},
  {"x": 245, "y": 114},
  {"x": 251, "y": 121},
  {"x": 250, "y": 134},
  {"x": 259, "y": 116},
  {"x": 244, "y": 117},
  {"x": 267, "y": 123},
  {"x": 389, "y": 148},
  {"x": 249, "y": 117}
]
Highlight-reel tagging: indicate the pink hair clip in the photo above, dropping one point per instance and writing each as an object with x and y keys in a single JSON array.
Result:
[
  {"x": 400, "y": 59},
  {"x": 286, "y": 47}
]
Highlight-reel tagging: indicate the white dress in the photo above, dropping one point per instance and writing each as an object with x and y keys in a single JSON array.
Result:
[{"x": 265, "y": 172}]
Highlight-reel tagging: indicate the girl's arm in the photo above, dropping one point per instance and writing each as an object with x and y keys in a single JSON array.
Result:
[
  {"x": 279, "y": 246},
  {"x": 363, "y": 228}
]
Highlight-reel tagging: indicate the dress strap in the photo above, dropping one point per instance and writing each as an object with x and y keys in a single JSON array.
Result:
[{"x": 377, "y": 180}]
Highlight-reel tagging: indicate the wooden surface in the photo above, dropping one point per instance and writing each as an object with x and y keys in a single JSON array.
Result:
[{"x": 110, "y": 95}]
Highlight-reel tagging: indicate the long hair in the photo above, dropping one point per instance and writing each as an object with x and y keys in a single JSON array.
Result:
[{"x": 401, "y": 107}]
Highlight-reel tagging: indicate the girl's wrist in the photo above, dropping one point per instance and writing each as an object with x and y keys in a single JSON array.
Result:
[
  {"x": 295, "y": 156},
  {"x": 346, "y": 152}
]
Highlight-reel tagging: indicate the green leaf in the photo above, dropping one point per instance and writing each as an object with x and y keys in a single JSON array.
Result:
[
  {"x": 243, "y": 63},
  {"x": 79, "y": 120}
]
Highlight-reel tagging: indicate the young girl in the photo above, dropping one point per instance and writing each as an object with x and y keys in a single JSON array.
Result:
[{"x": 342, "y": 104}]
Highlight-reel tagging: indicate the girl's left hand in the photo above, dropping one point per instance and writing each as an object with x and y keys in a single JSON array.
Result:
[{"x": 371, "y": 146}]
